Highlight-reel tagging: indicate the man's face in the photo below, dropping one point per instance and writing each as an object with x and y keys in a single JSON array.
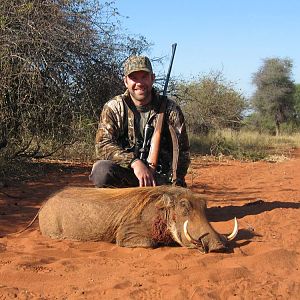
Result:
[{"x": 140, "y": 85}]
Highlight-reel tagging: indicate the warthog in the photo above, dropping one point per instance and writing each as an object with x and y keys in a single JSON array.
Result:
[{"x": 132, "y": 217}]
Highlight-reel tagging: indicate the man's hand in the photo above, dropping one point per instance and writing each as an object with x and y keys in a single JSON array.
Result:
[{"x": 144, "y": 174}]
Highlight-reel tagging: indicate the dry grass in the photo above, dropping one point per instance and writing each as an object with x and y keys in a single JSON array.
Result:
[{"x": 244, "y": 144}]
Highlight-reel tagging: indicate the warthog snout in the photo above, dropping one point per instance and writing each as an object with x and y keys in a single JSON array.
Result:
[{"x": 206, "y": 243}]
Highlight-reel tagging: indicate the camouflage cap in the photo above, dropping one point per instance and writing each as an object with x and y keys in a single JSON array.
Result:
[{"x": 137, "y": 63}]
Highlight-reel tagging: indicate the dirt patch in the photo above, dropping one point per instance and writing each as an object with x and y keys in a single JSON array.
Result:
[{"x": 264, "y": 262}]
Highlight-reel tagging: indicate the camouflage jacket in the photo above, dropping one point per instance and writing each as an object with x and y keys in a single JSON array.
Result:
[{"x": 117, "y": 133}]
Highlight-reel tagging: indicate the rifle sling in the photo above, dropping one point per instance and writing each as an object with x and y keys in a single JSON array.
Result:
[
  {"x": 156, "y": 138},
  {"x": 175, "y": 156}
]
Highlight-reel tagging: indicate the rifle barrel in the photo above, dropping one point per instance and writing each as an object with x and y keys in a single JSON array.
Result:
[{"x": 170, "y": 68}]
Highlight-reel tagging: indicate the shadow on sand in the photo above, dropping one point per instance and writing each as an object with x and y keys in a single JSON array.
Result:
[{"x": 219, "y": 214}]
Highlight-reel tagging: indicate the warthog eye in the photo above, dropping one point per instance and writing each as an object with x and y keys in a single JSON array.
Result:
[{"x": 186, "y": 206}]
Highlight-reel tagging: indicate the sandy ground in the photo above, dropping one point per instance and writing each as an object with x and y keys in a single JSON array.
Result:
[{"x": 264, "y": 263}]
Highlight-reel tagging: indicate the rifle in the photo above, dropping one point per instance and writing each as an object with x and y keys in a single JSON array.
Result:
[
  {"x": 155, "y": 141},
  {"x": 144, "y": 150}
]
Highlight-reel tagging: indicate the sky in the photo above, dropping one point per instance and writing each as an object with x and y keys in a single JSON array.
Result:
[{"x": 231, "y": 36}]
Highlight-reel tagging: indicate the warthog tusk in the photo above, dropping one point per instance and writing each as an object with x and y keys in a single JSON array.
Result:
[
  {"x": 186, "y": 233},
  {"x": 232, "y": 235},
  {"x": 191, "y": 239}
]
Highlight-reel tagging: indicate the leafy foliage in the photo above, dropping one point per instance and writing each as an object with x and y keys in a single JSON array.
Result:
[
  {"x": 60, "y": 60},
  {"x": 210, "y": 103},
  {"x": 297, "y": 100}
]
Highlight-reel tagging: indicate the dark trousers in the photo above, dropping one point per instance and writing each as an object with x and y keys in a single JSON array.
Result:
[{"x": 106, "y": 173}]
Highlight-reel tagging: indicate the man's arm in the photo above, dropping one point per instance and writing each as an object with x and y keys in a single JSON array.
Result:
[{"x": 110, "y": 134}]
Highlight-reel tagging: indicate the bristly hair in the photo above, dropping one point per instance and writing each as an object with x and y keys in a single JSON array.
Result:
[{"x": 139, "y": 198}]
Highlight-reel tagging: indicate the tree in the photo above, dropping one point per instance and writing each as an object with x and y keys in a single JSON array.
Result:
[
  {"x": 297, "y": 100},
  {"x": 275, "y": 89},
  {"x": 209, "y": 102},
  {"x": 60, "y": 60}
]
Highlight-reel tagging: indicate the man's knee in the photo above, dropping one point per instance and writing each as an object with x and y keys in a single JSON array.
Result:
[{"x": 101, "y": 173}]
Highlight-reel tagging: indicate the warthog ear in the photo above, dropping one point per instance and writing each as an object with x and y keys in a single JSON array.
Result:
[{"x": 164, "y": 202}]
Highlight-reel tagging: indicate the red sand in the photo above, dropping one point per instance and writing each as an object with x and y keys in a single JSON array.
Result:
[{"x": 264, "y": 263}]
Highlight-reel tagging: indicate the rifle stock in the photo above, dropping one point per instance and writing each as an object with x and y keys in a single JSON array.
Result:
[{"x": 156, "y": 138}]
